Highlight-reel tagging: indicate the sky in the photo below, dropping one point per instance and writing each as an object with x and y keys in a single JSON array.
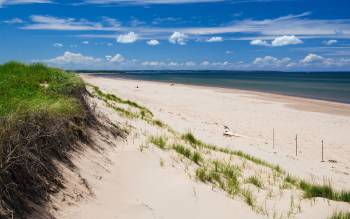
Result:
[{"x": 285, "y": 35}]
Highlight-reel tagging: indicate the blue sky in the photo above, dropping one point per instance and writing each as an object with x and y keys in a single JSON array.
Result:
[{"x": 288, "y": 35}]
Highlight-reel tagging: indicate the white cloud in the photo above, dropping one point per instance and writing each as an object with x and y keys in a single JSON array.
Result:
[
  {"x": 130, "y": 37},
  {"x": 311, "y": 58},
  {"x": 205, "y": 63},
  {"x": 20, "y": 2},
  {"x": 153, "y": 63},
  {"x": 85, "y": 42},
  {"x": 286, "y": 40},
  {"x": 13, "y": 20},
  {"x": 190, "y": 63},
  {"x": 73, "y": 58},
  {"x": 173, "y": 64},
  {"x": 58, "y": 45},
  {"x": 259, "y": 42},
  {"x": 272, "y": 62},
  {"x": 153, "y": 42},
  {"x": 215, "y": 39},
  {"x": 148, "y": 2},
  {"x": 44, "y": 22},
  {"x": 229, "y": 52},
  {"x": 278, "y": 41},
  {"x": 290, "y": 25},
  {"x": 330, "y": 42},
  {"x": 178, "y": 38},
  {"x": 118, "y": 58}
]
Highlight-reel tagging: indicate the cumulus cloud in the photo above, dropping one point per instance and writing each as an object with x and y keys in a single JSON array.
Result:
[
  {"x": 286, "y": 40},
  {"x": 153, "y": 42},
  {"x": 153, "y": 63},
  {"x": 85, "y": 42},
  {"x": 117, "y": 58},
  {"x": 178, "y": 38},
  {"x": 205, "y": 63},
  {"x": 259, "y": 42},
  {"x": 190, "y": 63},
  {"x": 311, "y": 58},
  {"x": 130, "y": 37},
  {"x": 278, "y": 41},
  {"x": 215, "y": 39},
  {"x": 270, "y": 61},
  {"x": 73, "y": 58},
  {"x": 330, "y": 42},
  {"x": 58, "y": 45}
]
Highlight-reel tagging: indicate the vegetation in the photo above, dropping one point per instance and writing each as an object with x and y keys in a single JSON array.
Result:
[
  {"x": 42, "y": 114},
  {"x": 255, "y": 181},
  {"x": 159, "y": 141},
  {"x": 340, "y": 215},
  {"x": 194, "y": 156},
  {"x": 324, "y": 191}
]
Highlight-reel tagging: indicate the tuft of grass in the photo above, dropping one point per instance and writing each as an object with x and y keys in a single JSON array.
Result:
[
  {"x": 202, "y": 175},
  {"x": 158, "y": 123},
  {"x": 189, "y": 137},
  {"x": 340, "y": 215},
  {"x": 248, "y": 197},
  {"x": 159, "y": 141},
  {"x": 182, "y": 150},
  {"x": 194, "y": 156},
  {"x": 323, "y": 191},
  {"x": 255, "y": 181}
]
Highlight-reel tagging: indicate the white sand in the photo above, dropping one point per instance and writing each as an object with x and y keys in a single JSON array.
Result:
[
  {"x": 253, "y": 115},
  {"x": 128, "y": 182}
]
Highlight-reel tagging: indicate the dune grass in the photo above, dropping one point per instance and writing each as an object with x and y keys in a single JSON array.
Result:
[
  {"x": 194, "y": 156},
  {"x": 340, "y": 215},
  {"x": 31, "y": 88},
  {"x": 324, "y": 191},
  {"x": 159, "y": 141},
  {"x": 254, "y": 181},
  {"x": 42, "y": 115}
]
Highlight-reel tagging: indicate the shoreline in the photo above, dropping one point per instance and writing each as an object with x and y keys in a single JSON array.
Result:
[{"x": 294, "y": 101}]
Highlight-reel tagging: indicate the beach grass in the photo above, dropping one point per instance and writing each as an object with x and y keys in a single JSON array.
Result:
[
  {"x": 32, "y": 88},
  {"x": 340, "y": 215},
  {"x": 323, "y": 191},
  {"x": 43, "y": 114},
  {"x": 254, "y": 181},
  {"x": 159, "y": 141}
]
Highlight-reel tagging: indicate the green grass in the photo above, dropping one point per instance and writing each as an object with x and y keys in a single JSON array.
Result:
[
  {"x": 190, "y": 138},
  {"x": 255, "y": 181},
  {"x": 324, "y": 191},
  {"x": 194, "y": 156},
  {"x": 340, "y": 215},
  {"x": 32, "y": 88},
  {"x": 43, "y": 115},
  {"x": 159, "y": 141},
  {"x": 144, "y": 112},
  {"x": 248, "y": 197}
]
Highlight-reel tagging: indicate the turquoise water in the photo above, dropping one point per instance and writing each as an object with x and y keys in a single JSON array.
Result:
[{"x": 332, "y": 86}]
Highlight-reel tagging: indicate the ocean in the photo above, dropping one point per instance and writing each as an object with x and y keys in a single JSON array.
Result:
[{"x": 331, "y": 86}]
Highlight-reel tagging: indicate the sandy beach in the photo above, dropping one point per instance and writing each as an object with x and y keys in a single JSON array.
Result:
[
  {"x": 135, "y": 179},
  {"x": 252, "y": 116}
]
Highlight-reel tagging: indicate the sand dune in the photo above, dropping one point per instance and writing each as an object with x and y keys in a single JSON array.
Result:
[{"x": 137, "y": 179}]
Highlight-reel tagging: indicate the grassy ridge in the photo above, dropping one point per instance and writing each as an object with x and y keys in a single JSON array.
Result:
[
  {"x": 42, "y": 115},
  {"x": 35, "y": 87}
]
